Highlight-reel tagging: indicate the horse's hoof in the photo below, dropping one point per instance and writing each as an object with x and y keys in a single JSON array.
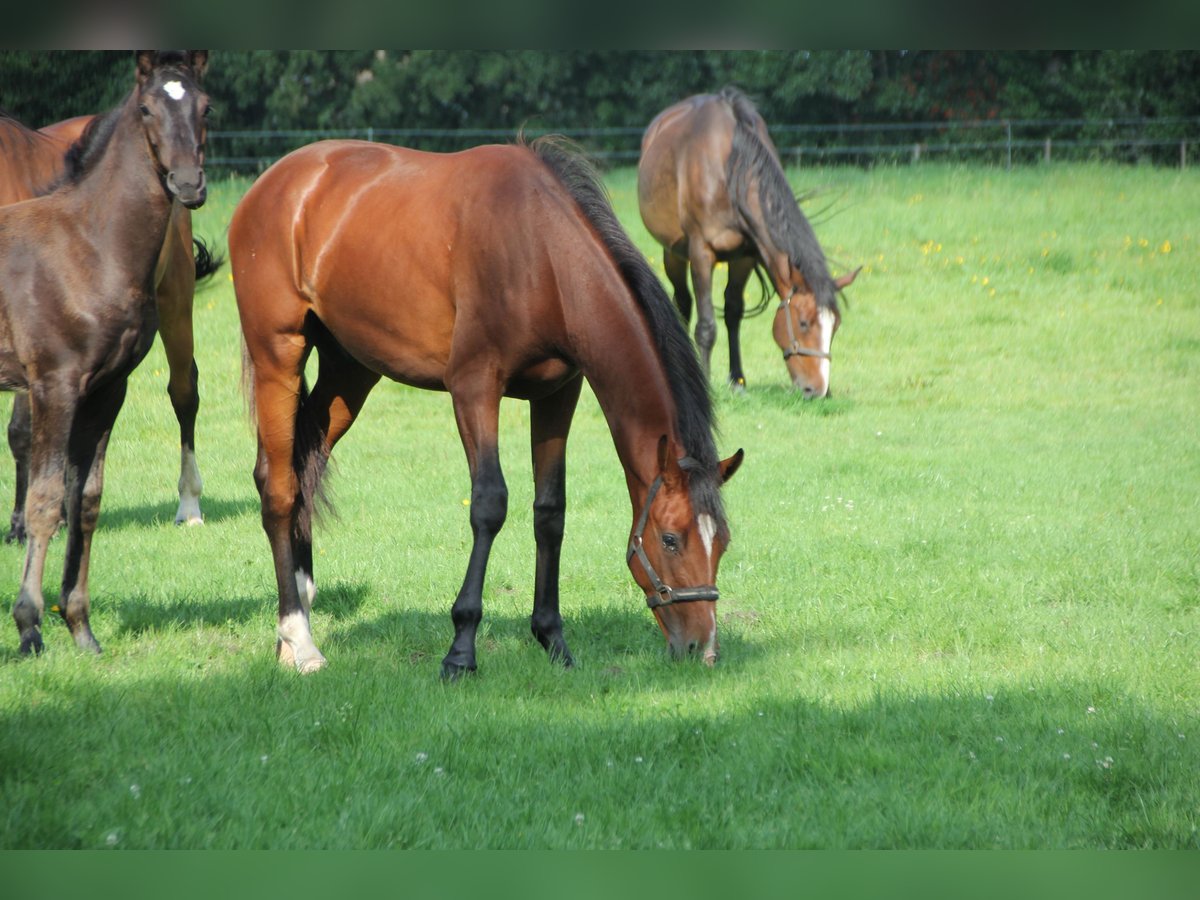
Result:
[
  {"x": 312, "y": 664},
  {"x": 15, "y": 536},
  {"x": 453, "y": 671},
  {"x": 31, "y": 642},
  {"x": 737, "y": 386},
  {"x": 189, "y": 520},
  {"x": 85, "y": 640}
]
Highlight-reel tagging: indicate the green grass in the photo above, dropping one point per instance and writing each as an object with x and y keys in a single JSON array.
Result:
[{"x": 960, "y": 609}]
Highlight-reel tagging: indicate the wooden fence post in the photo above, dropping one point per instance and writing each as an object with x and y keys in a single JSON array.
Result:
[{"x": 1047, "y": 150}]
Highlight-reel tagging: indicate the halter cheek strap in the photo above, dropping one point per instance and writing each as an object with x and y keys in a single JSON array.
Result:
[
  {"x": 664, "y": 594},
  {"x": 794, "y": 348}
]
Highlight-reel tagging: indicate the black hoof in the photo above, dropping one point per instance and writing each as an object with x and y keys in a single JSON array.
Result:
[
  {"x": 32, "y": 644},
  {"x": 453, "y": 671},
  {"x": 15, "y": 536}
]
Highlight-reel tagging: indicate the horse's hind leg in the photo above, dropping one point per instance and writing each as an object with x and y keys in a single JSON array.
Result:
[
  {"x": 84, "y": 485},
  {"x": 175, "y": 295},
  {"x": 336, "y": 400},
  {"x": 53, "y": 405},
  {"x": 550, "y": 422},
  {"x": 286, "y": 503},
  {"x": 19, "y": 436},
  {"x": 702, "y": 260},
  {"x": 735, "y": 307}
]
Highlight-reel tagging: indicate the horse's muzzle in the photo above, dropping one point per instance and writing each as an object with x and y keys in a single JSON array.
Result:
[{"x": 188, "y": 186}]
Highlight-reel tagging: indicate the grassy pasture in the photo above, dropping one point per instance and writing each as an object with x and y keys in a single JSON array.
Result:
[{"x": 960, "y": 609}]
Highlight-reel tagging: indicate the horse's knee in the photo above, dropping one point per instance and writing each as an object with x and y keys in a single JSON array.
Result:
[
  {"x": 489, "y": 507},
  {"x": 548, "y": 521}
]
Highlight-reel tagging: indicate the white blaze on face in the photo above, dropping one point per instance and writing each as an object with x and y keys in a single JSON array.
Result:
[
  {"x": 826, "y": 318},
  {"x": 174, "y": 90},
  {"x": 708, "y": 530}
]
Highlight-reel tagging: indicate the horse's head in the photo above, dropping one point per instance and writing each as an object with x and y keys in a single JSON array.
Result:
[
  {"x": 674, "y": 552},
  {"x": 804, "y": 331},
  {"x": 174, "y": 111}
]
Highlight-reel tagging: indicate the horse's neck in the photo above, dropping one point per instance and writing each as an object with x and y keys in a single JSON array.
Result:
[
  {"x": 631, "y": 386},
  {"x": 123, "y": 186}
]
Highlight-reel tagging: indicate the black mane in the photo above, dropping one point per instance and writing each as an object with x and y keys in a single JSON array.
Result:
[
  {"x": 695, "y": 418},
  {"x": 753, "y": 162},
  {"x": 89, "y": 147}
]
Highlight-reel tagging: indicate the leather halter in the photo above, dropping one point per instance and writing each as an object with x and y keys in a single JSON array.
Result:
[
  {"x": 664, "y": 594},
  {"x": 795, "y": 349}
]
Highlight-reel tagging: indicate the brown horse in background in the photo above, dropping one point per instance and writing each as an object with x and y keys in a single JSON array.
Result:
[
  {"x": 31, "y": 162},
  {"x": 711, "y": 188},
  {"x": 78, "y": 269},
  {"x": 500, "y": 271}
]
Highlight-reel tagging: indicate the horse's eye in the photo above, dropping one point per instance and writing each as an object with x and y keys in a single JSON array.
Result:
[
  {"x": 207, "y": 110},
  {"x": 804, "y": 324},
  {"x": 670, "y": 542},
  {"x": 145, "y": 110}
]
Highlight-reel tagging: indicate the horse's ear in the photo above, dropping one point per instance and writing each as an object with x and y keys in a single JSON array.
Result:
[
  {"x": 145, "y": 65},
  {"x": 844, "y": 281},
  {"x": 198, "y": 60},
  {"x": 728, "y": 467}
]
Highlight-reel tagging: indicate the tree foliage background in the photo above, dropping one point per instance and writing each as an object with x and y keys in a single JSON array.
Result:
[{"x": 571, "y": 90}]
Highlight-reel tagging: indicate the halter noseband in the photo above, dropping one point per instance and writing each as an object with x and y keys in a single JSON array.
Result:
[
  {"x": 664, "y": 594},
  {"x": 794, "y": 349}
]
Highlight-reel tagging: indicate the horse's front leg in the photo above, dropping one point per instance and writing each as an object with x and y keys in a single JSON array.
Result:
[
  {"x": 477, "y": 409},
  {"x": 84, "y": 485},
  {"x": 550, "y": 422},
  {"x": 735, "y": 308},
  {"x": 19, "y": 436},
  {"x": 702, "y": 260},
  {"x": 53, "y": 404},
  {"x": 174, "y": 294}
]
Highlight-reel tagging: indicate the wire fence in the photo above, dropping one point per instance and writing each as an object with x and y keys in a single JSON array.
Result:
[{"x": 1003, "y": 142}]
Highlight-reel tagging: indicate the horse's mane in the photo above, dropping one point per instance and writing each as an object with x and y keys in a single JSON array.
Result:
[
  {"x": 751, "y": 161},
  {"x": 695, "y": 418},
  {"x": 89, "y": 147}
]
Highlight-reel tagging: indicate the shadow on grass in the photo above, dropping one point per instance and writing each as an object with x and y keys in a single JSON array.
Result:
[
  {"x": 139, "y": 614},
  {"x": 215, "y": 509},
  {"x": 235, "y": 760}
]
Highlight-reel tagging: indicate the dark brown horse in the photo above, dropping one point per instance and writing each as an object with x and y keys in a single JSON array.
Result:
[
  {"x": 77, "y": 307},
  {"x": 710, "y": 188},
  {"x": 30, "y": 163},
  {"x": 496, "y": 272}
]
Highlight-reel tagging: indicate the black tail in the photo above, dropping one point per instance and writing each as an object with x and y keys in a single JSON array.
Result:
[{"x": 207, "y": 262}]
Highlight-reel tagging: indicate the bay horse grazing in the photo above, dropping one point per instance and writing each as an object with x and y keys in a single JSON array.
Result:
[
  {"x": 77, "y": 308},
  {"x": 31, "y": 163},
  {"x": 711, "y": 188},
  {"x": 500, "y": 271}
]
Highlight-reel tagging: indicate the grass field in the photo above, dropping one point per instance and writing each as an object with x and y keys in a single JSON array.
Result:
[{"x": 960, "y": 607}]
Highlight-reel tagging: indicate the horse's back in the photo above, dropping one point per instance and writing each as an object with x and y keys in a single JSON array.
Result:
[
  {"x": 681, "y": 173},
  {"x": 389, "y": 247}
]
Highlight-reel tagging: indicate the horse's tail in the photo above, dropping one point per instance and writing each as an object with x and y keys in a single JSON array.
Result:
[
  {"x": 310, "y": 452},
  {"x": 751, "y": 158},
  {"x": 207, "y": 261},
  {"x": 694, "y": 410}
]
